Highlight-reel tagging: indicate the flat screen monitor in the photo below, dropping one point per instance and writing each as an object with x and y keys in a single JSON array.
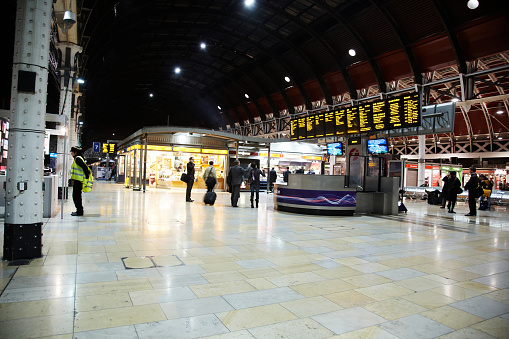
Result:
[
  {"x": 335, "y": 149},
  {"x": 377, "y": 146}
]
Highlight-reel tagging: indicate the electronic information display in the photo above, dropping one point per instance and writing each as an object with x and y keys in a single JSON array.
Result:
[
  {"x": 394, "y": 113},
  {"x": 335, "y": 149},
  {"x": 377, "y": 146},
  {"x": 319, "y": 125}
]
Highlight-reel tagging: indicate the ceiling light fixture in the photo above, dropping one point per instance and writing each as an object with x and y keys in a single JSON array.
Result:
[
  {"x": 151, "y": 95},
  {"x": 203, "y": 45},
  {"x": 455, "y": 99},
  {"x": 352, "y": 52},
  {"x": 249, "y": 3},
  {"x": 177, "y": 70},
  {"x": 499, "y": 109},
  {"x": 219, "y": 107},
  {"x": 287, "y": 79},
  {"x": 247, "y": 96},
  {"x": 473, "y": 4},
  {"x": 80, "y": 81}
]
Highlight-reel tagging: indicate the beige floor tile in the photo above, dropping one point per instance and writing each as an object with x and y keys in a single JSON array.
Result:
[
  {"x": 475, "y": 286},
  {"x": 298, "y": 268},
  {"x": 261, "y": 283},
  {"x": 297, "y": 259},
  {"x": 62, "y": 336},
  {"x": 370, "y": 267},
  {"x": 125, "y": 247},
  {"x": 221, "y": 267},
  {"x": 366, "y": 280},
  {"x": 255, "y": 316},
  {"x": 418, "y": 284},
  {"x": 433, "y": 268},
  {"x": 117, "y": 256},
  {"x": 454, "y": 264},
  {"x": 219, "y": 277},
  {"x": 351, "y": 261},
  {"x": 113, "y": 287},
  {"x": 166, "y": 260},
  {"x": 439, "y": 279},
  {"x": 311, "y": 306},
  {"x": 366, "y": 333},
  {"x": 459, "y": 275},
  {"x": 395, "y": 308},
  {"x": 295, "y": 279},
  {"x": 339, "y": 272},
  {"x": 4, "y": 282},
  {"x": 27, "y": 271},
  {"x": 348, "y": 299},
  {"x": 94, "y": 320},
  {"x": 456, "y": 292},
  {"x": 467, "y": 333},
  {"x": 300, "y": 328},
  {"x": 466, "y": 252},
  {"x": 497, "y": 327},
  {"x": 37, "y": 327},
  {"x": 37, "y": 308},
  {"x": 102, "y": 302},
  {"x": 264, "y": 272},
  {"x": 191, "y": 261},
  {"x": 429, "y": 299},
  {"x": 138, "y": 262},
  {"x": 85, "y": 258},
  {"x": 215, "y": 259},
  {"x": 384, "y": 291},
  {"x": 242, "y": 334},
  {"x": 452, "y": 317},
  {"x": 211, "y": 290},
  {"x": 500, "y": 295},
  {"x": 322, "y": 287}
]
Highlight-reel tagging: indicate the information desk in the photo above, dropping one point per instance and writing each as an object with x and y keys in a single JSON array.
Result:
[{"x": 315, "y": 194}]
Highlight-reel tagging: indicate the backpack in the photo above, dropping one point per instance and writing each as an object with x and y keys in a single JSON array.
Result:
[{"x": 252, "y": 178}]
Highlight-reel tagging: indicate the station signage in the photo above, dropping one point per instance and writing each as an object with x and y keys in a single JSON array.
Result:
[
  {"x": 383, "y": 115},
  {"x": 109, "y": 148}
]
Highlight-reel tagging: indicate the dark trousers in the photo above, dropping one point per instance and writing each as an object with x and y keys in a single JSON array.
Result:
[
  {"x": 235, "y": 195},
  {"x": 77, "y": 187},
  {"x": 471, "y": 204},
  {"x": 255, "y": 188},
  {"x": 190, "y": 184}
]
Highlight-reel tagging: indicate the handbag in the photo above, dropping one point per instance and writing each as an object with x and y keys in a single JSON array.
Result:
[
  {"x": 184, "y": 177},
  {"x": 478, "y": 192},
  {"x": 459, "y": 191}
]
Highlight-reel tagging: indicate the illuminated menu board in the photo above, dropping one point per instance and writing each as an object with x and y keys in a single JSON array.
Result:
[
  {"x": 394, "y": 113},
  {"x": 302, "y": 128},
  {"x": 340, "y": 121},
  {"x": 319, "y": 125},
  {"x": 411, "y": 110},
  {"x": 365, "y": 118},
  {"x": 329, "y": 123},
  {"x": 294, "y": 131},
  {"x": 310, "y": 127},
  {"x": 352, "y": 119},
  {"x": 378, "y": 114}
]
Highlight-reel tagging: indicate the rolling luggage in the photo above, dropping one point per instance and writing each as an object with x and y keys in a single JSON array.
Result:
[{"x": 210, "y": 198}]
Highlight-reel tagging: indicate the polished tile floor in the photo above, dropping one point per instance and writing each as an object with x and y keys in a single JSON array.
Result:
[{"x": 150, "y": 265}]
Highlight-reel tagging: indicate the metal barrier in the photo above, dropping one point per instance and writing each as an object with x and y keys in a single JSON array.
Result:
[{"x": 500, "y": 198}]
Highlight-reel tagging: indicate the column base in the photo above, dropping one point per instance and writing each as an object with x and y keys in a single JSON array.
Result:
[{"x": 22, "y": 241}]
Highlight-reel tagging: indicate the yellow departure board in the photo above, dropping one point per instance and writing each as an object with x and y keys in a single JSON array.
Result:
[
  {"x": 310, "y": 127},
  {"x": 352, "y": 119},
  {"x": 319, "y": 125},
  {"x": 365, "y": 118},
  {"x": 378, "y": 114},
  {"x": 294, "y": 131},
  {"x": 340, "y": 119}
]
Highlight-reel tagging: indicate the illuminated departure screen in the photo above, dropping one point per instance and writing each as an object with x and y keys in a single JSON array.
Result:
[
  {"x": 378, "y": 112},
  {"x": 394, "y": 113},
  {"x": 365, "y": 118},
  {"x": 329, "y": 123},
  {"x": 310, "y": 127},
  {"x": 352, "y": 119},
  {"x": 302, "y": 128},
  {"x": 319, "y": 125},
  {"x": 411, "y": 110},
  {"x": 340, "y": 121},
  {"x": 294, "y": 132}
]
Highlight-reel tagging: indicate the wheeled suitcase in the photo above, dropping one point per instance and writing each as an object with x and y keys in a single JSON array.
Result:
[{"x": 210, "y": 198}]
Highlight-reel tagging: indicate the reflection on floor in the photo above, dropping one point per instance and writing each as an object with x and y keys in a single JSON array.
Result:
[{"x": 145, "y": 265}]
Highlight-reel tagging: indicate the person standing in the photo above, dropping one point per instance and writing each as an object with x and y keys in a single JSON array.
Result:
[
  {"x": 79, "y": 172},
  {"x": 487, "y": 186},
  {"x": 190, "y": 180},
  {"x": 471, "y": 185},
  {"x": 272, "y": 179},
  {"x": 453, "y": 188},
  {"x": 235, "y": 178},
  {"x": 254, "y": 183},
  {"x": 445, "y": 190},
  {"x": 285, "y": 174},
  {"x": 210, "y": 176}
]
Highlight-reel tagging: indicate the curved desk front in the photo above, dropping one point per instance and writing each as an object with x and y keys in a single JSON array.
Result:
[{"x": 315, "y": 194}]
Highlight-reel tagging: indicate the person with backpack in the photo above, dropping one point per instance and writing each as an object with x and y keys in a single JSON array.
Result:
[
  {"x": 485, "y": 199},
  {"x": 453, "y": 189},
  {"x": 79, "y": 173},
  {"x": 471, "y": 186},
  {"x": 210, "y": 176},
  {"x": 254, "y": 183}
]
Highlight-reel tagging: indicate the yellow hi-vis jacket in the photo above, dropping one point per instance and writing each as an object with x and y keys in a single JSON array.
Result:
[{"x": 78, "y": 174}]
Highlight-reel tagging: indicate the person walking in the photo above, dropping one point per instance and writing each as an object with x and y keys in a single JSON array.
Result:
[
  {"x": 471, "y": 185},
  {"x": 272, "y": 179},
  {"x": 453, "y": 189},
  {"x": 235, "y": 178},
  {"x": 190, "y": 180},
  {"x": 254, "y": 183},
  {"x": 210, "y": 176},
  {"x": 79, "y": 173},
  {"x": 445, "y": 190}
]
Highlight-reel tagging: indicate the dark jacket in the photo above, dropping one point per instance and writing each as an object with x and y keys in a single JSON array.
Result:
[
  {"x": 453, "y": 188},
  {"x": 190, "y": 170},
  {"x": 236, "y": 175},
  {"x": 256, "y": 172},
  {"x": 272, "y": 176},
  {"x": 445, "y": 189},
  {"x": 285, "y": 175},
  {"x": 472, "y": 184}
]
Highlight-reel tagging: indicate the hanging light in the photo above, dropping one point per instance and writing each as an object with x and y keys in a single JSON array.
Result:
[
  {"x": 352, "y": 52},
  {"x": 177, "y": 70},
  {"x": 247, "y": 96},
  {"x": 455, "y": 99},
  {"x": 473, "y": 4},
  {"x": 203, "y": 45},
  {"x": 499, "y": 109},
  {"x": 219, "y": 107},
  {"x": 287, "y": 79}
]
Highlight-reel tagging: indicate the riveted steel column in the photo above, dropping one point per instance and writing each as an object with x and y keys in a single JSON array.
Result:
[{"x": 24, "y": 194}]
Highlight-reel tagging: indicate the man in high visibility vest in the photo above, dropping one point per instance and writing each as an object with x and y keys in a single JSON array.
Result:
[{"x": 79, "y": 173}]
